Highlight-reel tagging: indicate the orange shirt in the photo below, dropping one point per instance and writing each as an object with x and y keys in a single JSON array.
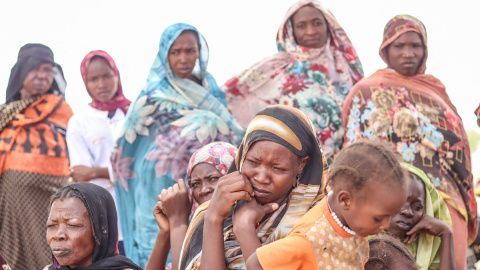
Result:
[{"x": 316, "y": 242}]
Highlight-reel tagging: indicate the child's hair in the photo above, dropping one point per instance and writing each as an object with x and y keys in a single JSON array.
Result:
[
  {"x": 356, "y": 164},
  {"x": 384, "y": 250}
]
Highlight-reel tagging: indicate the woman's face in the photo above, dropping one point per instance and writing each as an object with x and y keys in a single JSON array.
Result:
[
  {"x": 272, "y": 169},
  {"x": 406, "y": 53},
  {"x": 411, "y": 211},
  {"x": 38, "y": 81},
  {"x": 310, "y": 27},
  {"x": 183, "y": 54},
  {"x": 371, "y": 209},
  {"x": 69, "y": 233},
  {"x": 203, "y": 181},
  {"x": 101, "y": 80}
]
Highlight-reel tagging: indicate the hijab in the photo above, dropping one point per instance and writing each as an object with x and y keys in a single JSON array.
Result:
[
  {"x": 30, "y": 57},
  {"x": 118, "y": 100},
  {"x": 103, "y": 216},
  {"x": 218, "y": 154}
]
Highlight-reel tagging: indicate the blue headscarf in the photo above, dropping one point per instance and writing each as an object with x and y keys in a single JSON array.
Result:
[{"x": 169, "y": 121}]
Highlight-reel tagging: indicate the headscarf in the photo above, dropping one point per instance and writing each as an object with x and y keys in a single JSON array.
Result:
[
  {"x": 118, "y": 100},
  {"x": 291, "y": 128},
  {"x": 219, "y": 154},
  {"x": 103, "y": 216},
  {"x": 426, "y": 249},
  {"x": 169, "y": 121},
  {"x": 30, "y": 57},
  {"x": 314, "y": 80}
]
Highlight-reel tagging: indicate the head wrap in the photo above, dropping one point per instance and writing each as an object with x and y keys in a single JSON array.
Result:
[
  {"x": 399, "y": 25},
  {"x": 118, "y": 100},
  {"x": 29, "y": 58},
  {"x": 426, "y": 249},
  {"x": 103, "y": 216},
  {"x": 219, "y": 154}
]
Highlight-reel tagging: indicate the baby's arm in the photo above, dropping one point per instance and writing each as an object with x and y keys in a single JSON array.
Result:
[
  {"x": 436, "y": 227},
  {"x": 159, "y": 255}
]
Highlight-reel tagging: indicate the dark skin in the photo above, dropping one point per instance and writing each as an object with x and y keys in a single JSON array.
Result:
[
  {"x": 69, "y": 233},
  {"x": 268, "y": 174},
  {"x": 83, "y": 173},
  {"x": 203, "y": 180},
  {"x": 310, "y": 27},
  {"x": 183, "y": 54},
  {"x": 406, "y": 53},
  {"x": 37, "y": 82},
  {"x": 411, "y": 221}
]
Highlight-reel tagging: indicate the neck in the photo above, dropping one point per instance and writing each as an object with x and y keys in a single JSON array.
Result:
[{"x": 335, "y": 207}]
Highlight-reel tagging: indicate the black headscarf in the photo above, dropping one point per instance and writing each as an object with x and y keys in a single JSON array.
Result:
[
  {"x": 29, "y": 58},
  {"x": 103, "y": 216}
]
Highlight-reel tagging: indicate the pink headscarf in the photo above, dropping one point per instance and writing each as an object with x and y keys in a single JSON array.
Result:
[
  {"x": 219, "y": 154},
  {"x": 119, "y": 100}
]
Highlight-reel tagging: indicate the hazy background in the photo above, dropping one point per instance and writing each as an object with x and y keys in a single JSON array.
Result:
[{"x": 239, "y": 33}]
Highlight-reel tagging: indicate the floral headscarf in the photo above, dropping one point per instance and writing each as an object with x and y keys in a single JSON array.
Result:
[
  {"x": 118, "y": 100},
  {"x": 219, "y": 154}
]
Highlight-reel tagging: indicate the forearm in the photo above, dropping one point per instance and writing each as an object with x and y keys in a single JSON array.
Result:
[
  {"x": 101, "y": 173},
  {"x": 158, "y": 257},
  {"x": 253, "y": 263},
  {"x": 249, "y": 242},
  {"x": 213, "y": 254},
  {"x": 177, "y": 235},
  {"x": 447, "y": 252}
]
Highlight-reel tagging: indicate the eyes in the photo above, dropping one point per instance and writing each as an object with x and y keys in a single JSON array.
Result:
[
  {"x": 105, "y": 76},
  {"x": 191, "y": 50},
  {"x": 303, "y": 25},
  {"x": 197, "y": 183}
]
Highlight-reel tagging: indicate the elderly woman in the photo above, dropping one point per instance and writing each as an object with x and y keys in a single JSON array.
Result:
[
  {"x": 82, "y": 230},
  {"x": 33, "y": 154},
  {"x": 90, "y": 135},
  {"x": 313, "y": 71},
  {"x": 180, "y": 109},
  {"x": 412, "y": 110},
  {"x": 280, "y": 165}
]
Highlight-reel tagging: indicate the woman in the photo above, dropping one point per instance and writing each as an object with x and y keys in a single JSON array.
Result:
[
  {"x": 90, "y": 136},
  {"x": 33, "y": 154},
  {"x": 279, "y": 135},
  {"x": 412, "y": 110},
  {"x": 82, "y": 230},
  {"x": 423, "y": 224},
  {"x": 180, "y": 109},
  {"x": 313, "y": 71}
]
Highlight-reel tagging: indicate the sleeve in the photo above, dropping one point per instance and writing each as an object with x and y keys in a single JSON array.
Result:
[
  {"x": 78, "y": 150},
  {"x": 292, "y": 252}
]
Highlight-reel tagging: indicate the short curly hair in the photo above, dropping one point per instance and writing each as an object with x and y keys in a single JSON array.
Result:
[{"x": 385, "y": 250}]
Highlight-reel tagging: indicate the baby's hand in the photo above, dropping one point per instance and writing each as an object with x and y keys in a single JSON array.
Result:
[
  {"x": 250, "y": 213},
  {"x": 160, "y": 217},
  {"x": 176, "y": 203},
  {"x": 428, "y": 225}
]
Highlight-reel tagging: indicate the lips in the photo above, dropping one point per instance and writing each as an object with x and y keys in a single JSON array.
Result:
[
  {"x": 409, "y": 64},
  {"x": 61, "y": 252},
  {"x": 261, "y": 192},
  {"x": 402, "y": 224}
]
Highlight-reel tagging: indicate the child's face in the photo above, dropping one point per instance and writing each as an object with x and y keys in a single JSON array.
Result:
[
  {"x": 411, "y": 211},
  {"x": 369, "y": 213},
  {"x": 203, "y": 181}
]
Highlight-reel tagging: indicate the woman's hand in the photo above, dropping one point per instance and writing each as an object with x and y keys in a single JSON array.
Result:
[
  {"x": 428, "y": 225},
  {"x": 84, "y": 174},
  {"x": 231, "y": 188},
  {"x": 160, "y": 217},
  {"x": 176, "y": 203},
  {"x": 249, "y": 213}
]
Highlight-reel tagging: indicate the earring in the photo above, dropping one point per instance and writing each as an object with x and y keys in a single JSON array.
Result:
[{"x": 297, "y": 181}]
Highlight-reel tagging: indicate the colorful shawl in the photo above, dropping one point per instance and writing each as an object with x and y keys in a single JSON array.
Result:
[
  {"x": 417, "y": 116},
  {"x": 291, "y": 128},
  {"x": 316, "y": 81},
  {"x": 171, "y": 118},
  {"x": 426, "y": 249},
  {"x": 33, "y": 160},
  {"x": 118, "y": 100}
]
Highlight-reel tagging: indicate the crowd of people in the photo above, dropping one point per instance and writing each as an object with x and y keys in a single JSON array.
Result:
[{"x": 297, "y": 162}]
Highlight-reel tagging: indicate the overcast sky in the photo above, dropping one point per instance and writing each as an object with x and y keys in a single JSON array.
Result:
[{"x": 239, "y": 33}]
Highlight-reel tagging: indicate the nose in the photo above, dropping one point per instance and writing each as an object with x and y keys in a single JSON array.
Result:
[
  {"x": 183, "y": 57},
  {"x": 310, "y": 30},
  {"x": 408, "y": 51},
  {"x": 60, "y": 234},
  {"x": 407, "y": 212},
  {"x": 206, "y": 189},
  {"x": 261, "y": 176}
]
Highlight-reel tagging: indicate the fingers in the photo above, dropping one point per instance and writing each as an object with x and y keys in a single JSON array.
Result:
[
  {"x": 270, "y": 207},
  {"x": 181, "y": 185},
  {"x": 239, "y": 183}
]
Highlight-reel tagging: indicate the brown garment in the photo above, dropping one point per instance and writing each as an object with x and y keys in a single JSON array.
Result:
[{"x": 24, "y": 203}]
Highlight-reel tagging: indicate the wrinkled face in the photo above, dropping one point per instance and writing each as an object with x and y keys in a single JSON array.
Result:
[
  {"x": 272, "y": 169},
  {"x": 310, "y": 27},
  {"x": 101, "y": 80},
  {"x": 371, "y": 209},
  {"x": 183, "y": 54},
  {"x": 203, "y": 181},
  {"x": 38, "y": 81},
  {"x": 411, "y": 211},
  {"x": 69, "y": 233},
  {"x": 405, "y": 54}
]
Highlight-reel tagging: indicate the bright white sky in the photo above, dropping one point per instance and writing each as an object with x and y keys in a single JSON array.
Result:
[{"x": 239, "y": 33}]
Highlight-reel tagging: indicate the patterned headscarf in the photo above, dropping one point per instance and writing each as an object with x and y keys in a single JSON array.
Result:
[
  {"x": 118, "y": 100},
  {"x": 399, "y": 25},
  {"x": 219, "y": 154}
]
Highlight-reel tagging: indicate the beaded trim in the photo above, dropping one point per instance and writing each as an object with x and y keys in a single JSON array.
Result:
[{"x": 335, "y": 217}]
